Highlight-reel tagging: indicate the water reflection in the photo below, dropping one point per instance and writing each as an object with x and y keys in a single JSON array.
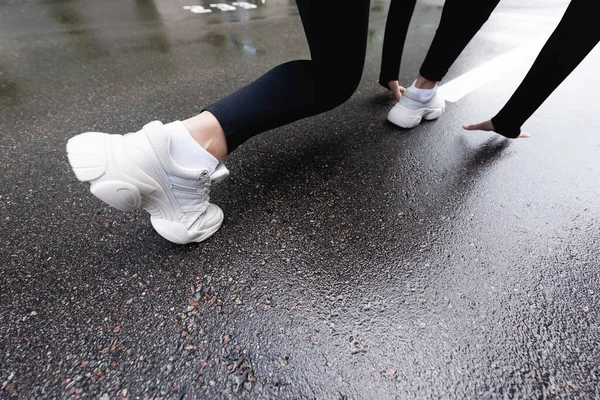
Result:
[
  {"x": 8, "y": 88},
  {"x": 73, "y": 23},
  {"x": 372, "y": 35},
  {"x": 378, "y": 6},
  {"x": 233, "y": 42},
  {"x": 147, "y": 11},
  {"x": 472, "y": 168}
]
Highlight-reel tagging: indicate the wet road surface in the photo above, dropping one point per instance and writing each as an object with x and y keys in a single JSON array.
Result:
[{"x": 356, "y": 260}]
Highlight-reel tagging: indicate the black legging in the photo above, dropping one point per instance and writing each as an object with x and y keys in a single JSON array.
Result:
[
  {"x": 460, "y": 21},
  {"x": 575, "y": 36},
  {"x": 396, "y": 27},
  {"x": 302, "y": 88}
]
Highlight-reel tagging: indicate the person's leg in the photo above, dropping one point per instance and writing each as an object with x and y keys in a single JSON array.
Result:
[
  {"x": 168, "y": 172},
  {"x": 572, "y": 40},
  {"x": 460, "y": 21},
  {"x": 396, "y": 28},
  {"x": 302, "y": 88}
]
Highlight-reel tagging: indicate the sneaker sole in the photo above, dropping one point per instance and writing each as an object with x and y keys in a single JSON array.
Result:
[
  {"x": 408, "y": 121},
  {"x": 176, "y": 232},
  {"x": 102, "y": 160}
]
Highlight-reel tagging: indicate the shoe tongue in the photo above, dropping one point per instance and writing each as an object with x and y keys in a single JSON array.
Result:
[{"x": 221, "y": 172}]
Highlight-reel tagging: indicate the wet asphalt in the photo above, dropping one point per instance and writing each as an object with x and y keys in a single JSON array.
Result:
[{"x": 356, "y": 260}]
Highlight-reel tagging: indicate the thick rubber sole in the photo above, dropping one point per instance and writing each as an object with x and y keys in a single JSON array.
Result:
[
  {"x": 409, "y": 120},
  {"x": 101, "y": 160}
]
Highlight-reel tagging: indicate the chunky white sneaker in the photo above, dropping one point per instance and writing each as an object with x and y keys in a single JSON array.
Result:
[
  {"x": 137, "y": 171},
  {"x": 413, "y": 107}
]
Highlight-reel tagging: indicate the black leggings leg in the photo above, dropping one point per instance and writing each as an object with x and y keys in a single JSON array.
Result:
[
  {"x": 302, "y": 88},
  {"x": 396, "y": 28},
  {"x": 461, "y": 20},
  {"x": 572, "y": 40}
]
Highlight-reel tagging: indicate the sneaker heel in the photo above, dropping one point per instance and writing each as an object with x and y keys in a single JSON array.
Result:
[{"x": 87, "y": 155}]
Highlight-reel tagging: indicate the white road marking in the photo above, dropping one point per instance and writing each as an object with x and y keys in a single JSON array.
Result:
[
  {"x": 245, "y": 5},
  {"x": 223, "y": 7},
  {"x": 197, "y": 9},
  {"x": 492, "y": 70}
]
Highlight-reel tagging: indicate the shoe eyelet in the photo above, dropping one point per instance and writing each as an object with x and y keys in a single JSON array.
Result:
[{"x": 204, "y": 174}]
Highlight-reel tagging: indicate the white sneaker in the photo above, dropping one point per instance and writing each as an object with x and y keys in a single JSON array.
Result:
[
  {"x": 414, "y": 106},
  {"x": 136, "y": 171}
]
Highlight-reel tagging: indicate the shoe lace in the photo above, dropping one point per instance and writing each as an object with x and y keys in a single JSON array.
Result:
[
  {"x": 204, "y": 194},
  {"x": 203, "y": 197}
]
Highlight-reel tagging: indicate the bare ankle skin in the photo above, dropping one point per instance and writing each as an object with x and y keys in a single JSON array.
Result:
[
  {"x": 207, "y": 131},
  {"x": 424, "y": 83}
]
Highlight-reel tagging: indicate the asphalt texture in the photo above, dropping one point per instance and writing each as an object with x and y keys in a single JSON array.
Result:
[{"x": 356, "y": 260}]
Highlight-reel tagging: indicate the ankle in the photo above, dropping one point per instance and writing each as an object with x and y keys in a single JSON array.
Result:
[
  {"x": 424, "y": 83},
  {"x": 207, "y": 132}
]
